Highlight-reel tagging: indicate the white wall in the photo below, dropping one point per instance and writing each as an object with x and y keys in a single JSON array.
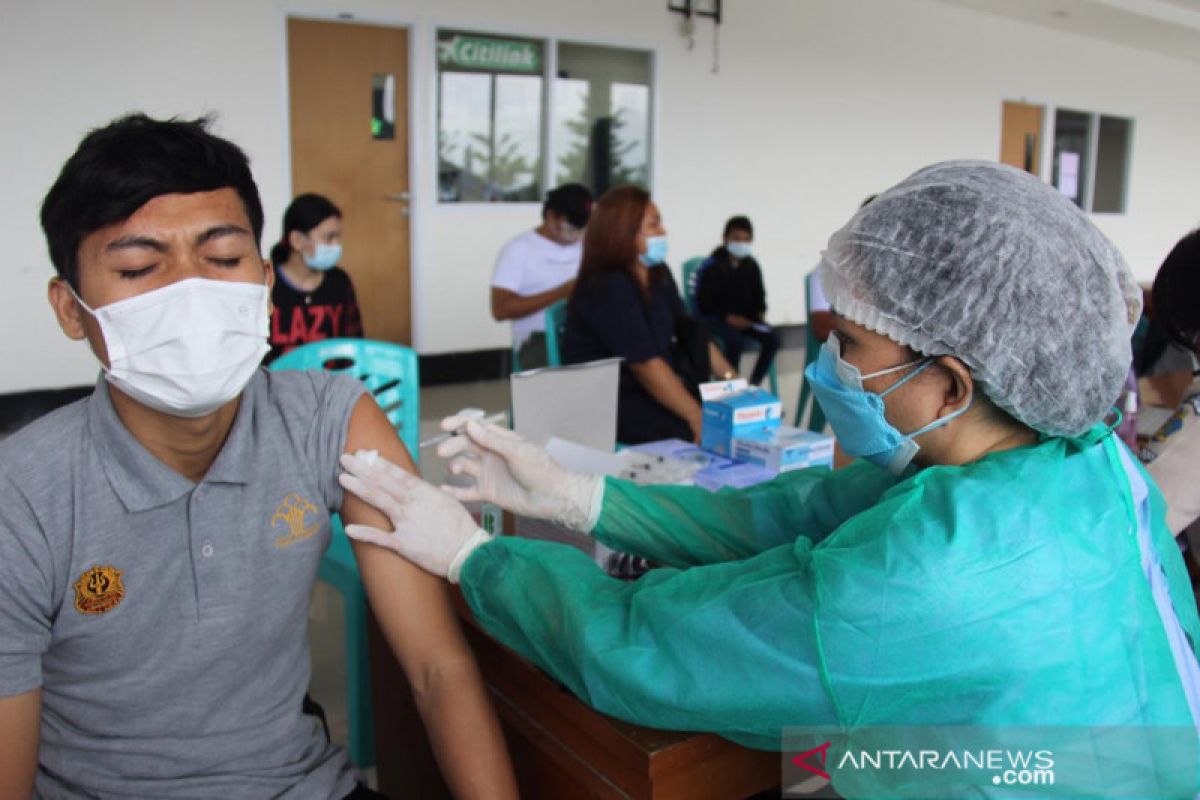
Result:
[{"x": 817, "y": 104}]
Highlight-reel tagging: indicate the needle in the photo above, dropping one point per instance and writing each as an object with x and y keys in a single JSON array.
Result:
[{"x": 497, "y": 418}]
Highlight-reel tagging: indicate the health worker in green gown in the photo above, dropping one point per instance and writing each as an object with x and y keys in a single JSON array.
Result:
[{"x": 994, "y": 556}]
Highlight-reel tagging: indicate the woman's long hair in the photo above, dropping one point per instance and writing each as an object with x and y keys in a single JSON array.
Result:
[
  {"x": 305, "y": 213},
  {"x": 610, "y": 239}
]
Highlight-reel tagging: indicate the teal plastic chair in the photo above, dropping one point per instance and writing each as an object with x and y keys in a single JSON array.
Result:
[
  {"x": 390, "y": 372},
  {"x": 556, "y": 326},
  {"x": 691, "y": 283},
  {"x": 812, "y": 348}
]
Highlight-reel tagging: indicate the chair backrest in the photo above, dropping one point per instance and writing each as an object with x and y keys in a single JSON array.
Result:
[
  {"x": 556, "y": 326},
  {"x": 691, "y": 282},
  {"x": 390, "y": 372}
]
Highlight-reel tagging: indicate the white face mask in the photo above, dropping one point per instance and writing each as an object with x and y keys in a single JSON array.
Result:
[
  {"x": 738, "y": 249},
  {"x": 188, "y": 348}
]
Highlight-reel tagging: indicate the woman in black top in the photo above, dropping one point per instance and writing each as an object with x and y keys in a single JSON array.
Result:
[
  {"x": 313, "y": 298},
  {"x": 730, "y": 297},
  {"x": 626, "y": 304}
]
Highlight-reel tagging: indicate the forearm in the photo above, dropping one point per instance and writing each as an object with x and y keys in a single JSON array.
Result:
[
  {"x": 661, "y": 383},
  {"x": 643, "y": 651},
  {"x": 464, "y": 732},
  {"x": 19, "y": 731},
  {"x": 508, "y": 305},
  {"x": 685, "y": 526},
  {"x": 721, "y": 367}
]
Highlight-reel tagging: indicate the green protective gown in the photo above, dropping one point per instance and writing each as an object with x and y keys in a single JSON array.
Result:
[{"x": 1008, "y": 592}]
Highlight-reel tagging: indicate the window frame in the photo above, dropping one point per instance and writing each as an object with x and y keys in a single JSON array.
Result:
[
  {"x": 1093, "y": 143},
  {"x": 549, "y": 74}
]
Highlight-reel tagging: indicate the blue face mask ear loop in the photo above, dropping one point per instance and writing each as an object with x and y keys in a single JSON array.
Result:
[{"x": 937, "y": 423}]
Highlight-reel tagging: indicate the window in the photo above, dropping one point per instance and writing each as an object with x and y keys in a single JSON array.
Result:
[
  {"x": 489, "y": 118},
  {"x": 1092, "y": 159},
  {"x": 493, "y": 117},
  {"x": 602, "y": 117}
]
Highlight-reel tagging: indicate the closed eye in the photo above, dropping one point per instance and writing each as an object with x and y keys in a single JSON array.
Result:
[
  {"x": 227, "y": 262},
  {"x": 130, "y": 274}
]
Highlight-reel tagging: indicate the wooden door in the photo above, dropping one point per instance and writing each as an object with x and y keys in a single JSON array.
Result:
[
  {"x": 341, "y": 148},
  {"x": 1021, "y": 136}
]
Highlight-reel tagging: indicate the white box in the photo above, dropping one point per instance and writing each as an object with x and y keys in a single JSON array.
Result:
[{"x": 784, "y": 448}]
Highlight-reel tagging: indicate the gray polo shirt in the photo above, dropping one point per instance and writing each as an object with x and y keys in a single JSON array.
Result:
[{"x": 165, "y": 621}]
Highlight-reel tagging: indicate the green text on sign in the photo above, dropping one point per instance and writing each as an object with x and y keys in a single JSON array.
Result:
[{"x": 476, "y": 52}]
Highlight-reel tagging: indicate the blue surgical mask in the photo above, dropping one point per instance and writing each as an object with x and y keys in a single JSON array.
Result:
[
  {"x": 656, "y": 251},
  {"x": 857, "y": 416},
  {"x": 738, "y": 249},
  {"x": 325, "y": 257}
]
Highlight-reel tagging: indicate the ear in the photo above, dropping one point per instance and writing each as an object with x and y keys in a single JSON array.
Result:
[
  {"x": 296, "y": 240},
  {"x": 960, "y": 386},
  {"x": 269, "y": 277},
  {"x": 66, "y": 309}
]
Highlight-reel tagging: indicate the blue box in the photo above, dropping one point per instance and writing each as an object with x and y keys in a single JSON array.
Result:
[
  {"x": 784, "y": 448},
  {"x": 737, "y": 414}
]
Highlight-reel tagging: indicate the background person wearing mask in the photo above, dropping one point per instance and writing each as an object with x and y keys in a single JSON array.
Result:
[
  {"x": 994, "y": 558},
  {"x": 537, "y": 269},
  {"x": 313, "y": 297},
  {"x": 627, "y": 304},
  {"x": 731, "y": 298}
]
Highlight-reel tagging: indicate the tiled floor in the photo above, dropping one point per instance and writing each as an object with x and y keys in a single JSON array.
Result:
[{"x": 325, "y": 619}]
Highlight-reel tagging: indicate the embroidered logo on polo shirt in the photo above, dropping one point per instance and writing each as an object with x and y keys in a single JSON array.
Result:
[
  {"x": 293, "y": 511},
  {"x": 99, "y": 590}
]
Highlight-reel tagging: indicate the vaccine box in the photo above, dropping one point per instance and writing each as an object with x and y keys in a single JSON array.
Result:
[
  {"x": 784, "y": 448},
  {"x": 737, "y": 414}
]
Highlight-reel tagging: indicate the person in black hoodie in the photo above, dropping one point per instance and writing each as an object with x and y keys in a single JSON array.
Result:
[{"x": 731, "y": 298}]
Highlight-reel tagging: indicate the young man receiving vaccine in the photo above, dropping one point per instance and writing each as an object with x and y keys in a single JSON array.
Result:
[{"x": 159, "y": 540}]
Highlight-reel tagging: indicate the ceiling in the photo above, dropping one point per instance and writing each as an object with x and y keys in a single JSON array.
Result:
[{"x": 1168, "y": 27}]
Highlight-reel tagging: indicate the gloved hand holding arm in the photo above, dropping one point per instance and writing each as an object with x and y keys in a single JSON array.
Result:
[{"x": 430, "y": 529}]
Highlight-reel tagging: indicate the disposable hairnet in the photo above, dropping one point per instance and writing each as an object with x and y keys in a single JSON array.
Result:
[{"x": 990, "y": 264}]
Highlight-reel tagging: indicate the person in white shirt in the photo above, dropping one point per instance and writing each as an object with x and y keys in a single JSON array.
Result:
[{"x": 537, "y": 268}]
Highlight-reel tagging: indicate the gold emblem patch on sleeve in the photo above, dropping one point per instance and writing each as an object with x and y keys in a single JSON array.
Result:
[{"x": 99, "y": 590}]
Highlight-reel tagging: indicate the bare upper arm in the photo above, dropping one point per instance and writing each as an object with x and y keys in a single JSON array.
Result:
[
  {"x": 20, "y": 716},
  {"x": 413, "y": 607}
]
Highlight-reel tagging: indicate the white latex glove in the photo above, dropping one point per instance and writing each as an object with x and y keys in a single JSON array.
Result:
[
  {"x": 518, "y": 476},
  {"x": 430, "y": 529}
]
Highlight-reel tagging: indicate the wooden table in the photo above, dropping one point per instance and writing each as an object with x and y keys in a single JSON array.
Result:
[{"x": 560, "y": 747}]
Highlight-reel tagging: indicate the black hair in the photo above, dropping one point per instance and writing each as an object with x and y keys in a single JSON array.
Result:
[
  {"x": 1176, "y": 292},
  {"x": 120, "y": 167},
  {"x": 738, "y": 223},
  {"x": 305, "y": 213}
]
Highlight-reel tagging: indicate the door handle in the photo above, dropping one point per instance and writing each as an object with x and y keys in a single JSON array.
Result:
[{"x": 399, "y": 197}]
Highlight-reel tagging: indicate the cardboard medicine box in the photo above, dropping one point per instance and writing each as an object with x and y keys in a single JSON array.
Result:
[
  {"x": 784, "y": 448},
  {"x": 737, "y": 414}
]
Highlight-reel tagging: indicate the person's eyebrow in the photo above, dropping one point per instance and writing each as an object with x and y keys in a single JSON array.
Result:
[
  {"x": 136, "y": 242},
  {"x": 217, "y": 231}
]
